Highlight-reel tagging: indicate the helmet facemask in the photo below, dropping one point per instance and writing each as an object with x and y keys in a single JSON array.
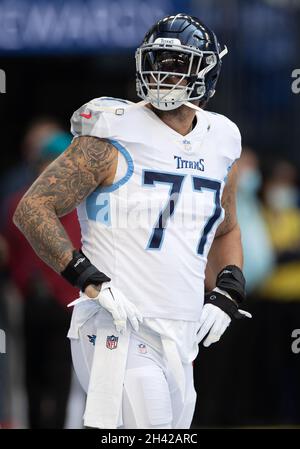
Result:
[{"x": 170, "y": 75}]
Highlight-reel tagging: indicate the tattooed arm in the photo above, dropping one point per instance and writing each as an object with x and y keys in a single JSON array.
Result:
[
  {"x": 227, "y": 247},
  {"x": 87, "y": 163}
]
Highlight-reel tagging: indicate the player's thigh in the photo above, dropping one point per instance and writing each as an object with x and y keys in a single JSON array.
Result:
[
  {"x": 146, "y": 395},
  {"x": 146, "y": 399}
]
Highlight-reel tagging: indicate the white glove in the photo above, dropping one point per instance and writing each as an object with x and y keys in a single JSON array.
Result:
[
  {"x": 116, "y": 303},
  {"x": 214, "y": 321}
]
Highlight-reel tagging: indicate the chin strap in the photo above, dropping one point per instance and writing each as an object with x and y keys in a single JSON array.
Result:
[
  {"x": 223, "y": 52},
  {"x": 192, "y": 106},
  {"x": 187, "y": 103}
]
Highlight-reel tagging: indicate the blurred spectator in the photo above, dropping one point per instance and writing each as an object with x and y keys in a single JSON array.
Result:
[
  {"x": 282, "y": 215},
  {"x": 258, "y": 250},
  {"x": 24, "y": 173},
  {"x": 46, "y": 318},
  {"x": 278, "y": 398}
]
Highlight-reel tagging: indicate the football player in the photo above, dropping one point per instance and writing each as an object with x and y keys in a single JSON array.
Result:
[{"x": 154, "y": 184}]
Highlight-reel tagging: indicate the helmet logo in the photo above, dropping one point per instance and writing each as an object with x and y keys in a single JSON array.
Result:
[{"x": 165, "y": 41}]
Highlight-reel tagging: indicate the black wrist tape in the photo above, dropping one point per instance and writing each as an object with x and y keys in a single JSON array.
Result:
[
  {"x": 225, "y": 304},
  {"x": 81, "y": 273},
  {"x": 232, "y": 281}
]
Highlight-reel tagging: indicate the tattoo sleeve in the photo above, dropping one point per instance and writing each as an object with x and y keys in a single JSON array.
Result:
[{"x": 87, "y": 163}]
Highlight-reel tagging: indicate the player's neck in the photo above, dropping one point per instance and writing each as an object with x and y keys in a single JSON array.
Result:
[{"x": 180, "y": 119}]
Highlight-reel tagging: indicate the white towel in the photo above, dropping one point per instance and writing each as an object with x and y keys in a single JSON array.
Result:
[{"x": 104, "y": 399}]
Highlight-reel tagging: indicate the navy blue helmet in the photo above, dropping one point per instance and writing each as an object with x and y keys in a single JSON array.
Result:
[{"x": 179, "y": 61}]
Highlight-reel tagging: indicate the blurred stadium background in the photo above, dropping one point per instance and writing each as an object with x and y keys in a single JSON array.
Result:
[{"x": 57, "y": 55}]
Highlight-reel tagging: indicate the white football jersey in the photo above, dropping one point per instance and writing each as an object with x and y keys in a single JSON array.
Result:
[{"x": 151, "y": 230}]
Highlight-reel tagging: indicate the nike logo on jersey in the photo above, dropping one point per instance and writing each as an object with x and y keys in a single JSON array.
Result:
[
  {"x": 89, "y": 115},
  {"x": 184, "y": 163}
]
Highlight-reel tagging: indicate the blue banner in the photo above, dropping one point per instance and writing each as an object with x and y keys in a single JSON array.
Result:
[{"x": 73, "y": 26}]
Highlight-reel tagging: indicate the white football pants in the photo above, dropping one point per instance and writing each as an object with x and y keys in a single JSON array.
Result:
[{"x": 151, "y": 398}]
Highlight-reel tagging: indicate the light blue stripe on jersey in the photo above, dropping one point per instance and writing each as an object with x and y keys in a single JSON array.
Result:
[
  {"x": 98, "y": 202},
  {"x": 229, "y": 168},
  {"x": 130, "y": 168}
]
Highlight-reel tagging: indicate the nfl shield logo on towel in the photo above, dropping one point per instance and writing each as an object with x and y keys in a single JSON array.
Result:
[{"x": 112, "y": 342}]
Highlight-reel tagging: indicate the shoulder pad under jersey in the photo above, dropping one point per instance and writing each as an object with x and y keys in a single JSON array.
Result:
[{"x": 91, "y": 119}]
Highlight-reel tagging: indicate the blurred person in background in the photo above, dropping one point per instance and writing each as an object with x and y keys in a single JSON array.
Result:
[
  {"x": 23, "y": 174},
  {"x": 46, "y": 318},
  {"x": 278, "y": 395},
  {"x": 12, "y": 182},
  {"x": 282, "y": 214},
  {"x": 258, "y": 251}
]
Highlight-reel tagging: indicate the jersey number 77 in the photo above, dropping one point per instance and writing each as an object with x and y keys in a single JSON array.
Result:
[{"x": 175, "y": 182}]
